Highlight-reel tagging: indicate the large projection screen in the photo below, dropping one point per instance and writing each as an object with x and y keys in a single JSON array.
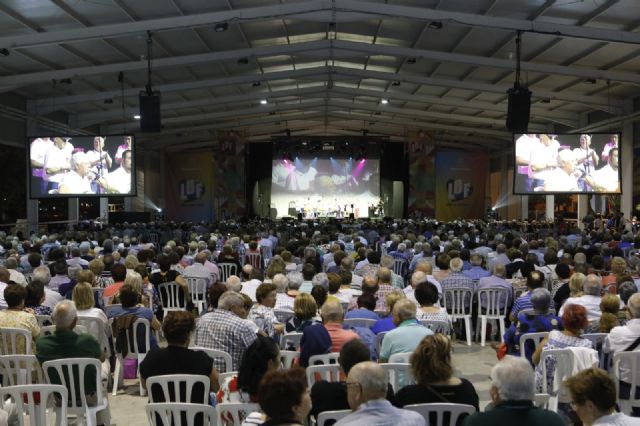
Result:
[
  {"x": 325, "y": 187},
  {"x": 567, "y": 163},
  {"x": 72, "y": 166}
]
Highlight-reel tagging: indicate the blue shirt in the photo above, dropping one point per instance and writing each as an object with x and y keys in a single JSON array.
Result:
[
  {"x": 362, "y": 313},
  {"x": 405, "y": 338},
  {"x": 385, "y": 324}
]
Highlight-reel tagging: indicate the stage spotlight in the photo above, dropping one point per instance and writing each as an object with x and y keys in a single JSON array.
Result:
[
  {"x": 263, "y": 102},
  {"x": 221, "y": 27},
  {"x": 384, "y": 101},
  {"x": 136, "y": 117}
]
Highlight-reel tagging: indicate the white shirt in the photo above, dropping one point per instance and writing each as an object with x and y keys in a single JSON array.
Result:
[
  {"x": 39, "y": 148},
  {"x": 617, "y": 419},
  {"x": 119, "y": 180},
  {"x": 3, "y": 303},
  {"x": 606, "y": 178},
  {"x": 198, "y": 270},
  {"x": 17, "y": 277},
  {"x": 73, "y": 183},
  {"x": 619, "y": 339},
  {"x": 51, "y": 298},
  {"x": 249, "y": 288},
  {"x": 591, "y": 303},
  {"x": 56, "y": 158},
  {"x": 559, "y": 180}
]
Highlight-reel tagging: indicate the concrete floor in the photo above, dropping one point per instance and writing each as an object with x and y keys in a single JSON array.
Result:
[{"x": 471, "y": 362}]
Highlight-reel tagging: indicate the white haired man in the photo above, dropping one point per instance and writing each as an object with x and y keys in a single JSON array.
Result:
[{"x": 591, "y": 299}]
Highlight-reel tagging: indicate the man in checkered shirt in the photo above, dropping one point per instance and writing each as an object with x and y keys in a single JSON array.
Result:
[
  {"x": 456, "y": 278},
  {"x": 225, "y": 329}
]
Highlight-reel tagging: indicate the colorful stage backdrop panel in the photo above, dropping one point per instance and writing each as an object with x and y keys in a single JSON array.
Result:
[
  {"x": 189, "y": 184},
  {"x": 460, "y": 184},
  {"x": 422, "y": 175}
]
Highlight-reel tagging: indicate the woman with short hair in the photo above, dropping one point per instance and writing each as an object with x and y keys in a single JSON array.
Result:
[
  {"x": 284, "y": 398},
  {"x": 262, "y": 313},
  {"x": 84, "y": 299},
  {"x": 305, "y": 311}
]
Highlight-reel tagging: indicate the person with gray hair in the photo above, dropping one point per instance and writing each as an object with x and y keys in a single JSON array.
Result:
[
  {"x": 366, "y": 393},
  {"x": 233, "y": 283},
  {"x": 320, "y": 279},
  {"x": 225, "y": 329},
  {"x": 512, "y": 392},
  {"x": 497, "y": 280},
  {"x": 43, "y": 275},
  {"x": 456, "y": 278},
  {"x": 592, "y": 288},
  {"x": 408, "y": 332},
  {"x": 283, "y": 300},
  {"x": 625, "y": 338},
  {"x": 198, "y": 270}
]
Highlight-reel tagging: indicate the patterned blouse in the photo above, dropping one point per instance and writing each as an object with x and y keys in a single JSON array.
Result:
[{"x": 557, "y": 340}]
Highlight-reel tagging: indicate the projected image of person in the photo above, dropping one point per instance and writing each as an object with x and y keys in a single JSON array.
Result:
[
  {"x": 564, "y": 176},
  {"x": 543, "y": 160},
  {"x": 57, "y": 161},
  {"x": 37, "y": 153},
  {"x": 612, "y": 143},
  {"x": 126, "y": 146},
  {"x": 525, "y": 145},
  {"x": 99, "y": 157},
  {"x": 606, "y": 179},
  {"x": 118, "y": 181},
  {"x": 78, "y": 180},
  {"x": 586, "y": 158}
]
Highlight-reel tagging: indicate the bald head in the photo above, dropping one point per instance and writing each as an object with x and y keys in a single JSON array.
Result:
[
  {"x": 384, "y": 276},
  {"x": 499, "y": 270},
  {"x": 403, "y": 310},
  {"x": 332, "y": 311},
  {"x": 417, "y": 278},
  {"x": 424, "y": 265},
  {"x": 372, "y": 380}
]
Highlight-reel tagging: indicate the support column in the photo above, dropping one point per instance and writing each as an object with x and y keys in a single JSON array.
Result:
[
  {"x": 503, "y": 195},
  {"x": 549, "y": 205},
  {"x": 128, "y": 204},
  {"x": 33, "y": 207},
  {"x": 74, "y": 211},
  {"x": 583, "y": 209},
  {"x": 626, "y": 164},
  {"x": 104, "y": 208},
  {"x": 524, "y": 206}
]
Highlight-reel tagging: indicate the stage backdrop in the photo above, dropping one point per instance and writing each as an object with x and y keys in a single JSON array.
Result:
[
  {"x": 230, "y": 189},
  {"x": 460, "y": 184},
  {"x": 189, "y": 183},
  {"x": 422, "y": 175}
]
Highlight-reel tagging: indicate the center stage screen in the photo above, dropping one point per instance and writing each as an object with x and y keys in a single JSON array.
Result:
[{"x": 325, "y": 187}]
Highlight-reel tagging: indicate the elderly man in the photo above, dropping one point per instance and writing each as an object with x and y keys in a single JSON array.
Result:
[
  {"x": 591, "y": 287},
  {"x": 500, "y": 256},
  {"x": 456, "y": 278},
  {"x": 251, "y": 283},
  {"x": 14, "y": 275},
  {"x": 78, "y": 180},
  {"x": 623, "y": 339},
  {"x": 198, "y": 270},
  {"x": 225, "y": 329},
  {"x": 534, "y": 280},
  {"x": 347, "y": 265},
  {"x": 476, "y": 271},
  {"x": 427, "y": 267},
  {"x": 283, "y": 300},
  {"x": 512, "y": 392},
  {"x": 384, "y": 288},
  {"x": 497, "y": 281},
  {"x": 396, "y": 280},
  {"x": 51, "y": 297},
  {"x": 407, "y": 335},
  {"x": 366, "y": 394}
]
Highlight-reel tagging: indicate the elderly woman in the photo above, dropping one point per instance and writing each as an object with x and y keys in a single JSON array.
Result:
[
  {"x": 305, "y": 313},
  {"x": 426, "y": 294},
  {"x": 15, "y": 316},
  {"x": 35, "y": 298},
  {"x": 284, "y": 399},
  {"x": 432, "y": 367},
  {"x": 571, "y": 289},
  {"x": 262, "y": 313},
  {"x": 84, "y": 299},
  {"x": 537, "y": 321}
]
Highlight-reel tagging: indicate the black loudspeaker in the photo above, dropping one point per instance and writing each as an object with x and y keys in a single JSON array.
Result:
[
  {"x": 518, "y": 109},
  {"x": 299, "y": 216},
  {"x": 150, "y": 112}
]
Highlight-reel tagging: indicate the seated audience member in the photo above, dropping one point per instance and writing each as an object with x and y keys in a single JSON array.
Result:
[
  {"x": 384, "y": 288},
  {"x": 328, "y": 396},
  {"x": 431, "y": 366},
  {"x": 627, "y": 338},
  {"x": 305, "y": 313},
  {"x": 262, "y": 313},
  {"x": 42, "y": 274},
  {"x": 567, "y": 285},
  {"x": 366, "y": 305},
  {"x": 426, "y": 294},
  {"x": 512, "y": 392},
  {"x": 386, "y": 323},
  {"x": 16, "y": 317},
  {"x": 35, "y": 298},
  {"x": 326, "y": 337},
  {"x": 118, "y": 273},
  {"x": 625, "y": 290},
  {"x": 496, "y": 280},
  {"x": 591, "y": 298},
  {"x": 284, "y": 399},
  {"x": 535, "y": 279},
  {"x": 532, "y": 322},
  {"x": 456, "y": 278},
  {"x": 367, "y": 389},
  {"x": 60, "y": 270},
  {"x": 408, "y": 334},
  {"x": 262, "y": 356},
  {"x": 476, "y": 272},
  {"x": 609, "y": 306},
  {"x": 84, "y": 299},
  {"x": 130, "y": 300},
  {"x": 283, "y": 299},
  {"x": 319, "y": 294},
  {"x": 593, "y": 397},
  {"x": 198, "y": 270},
  {"x": 167, "y": 274},
  {"x": 214, "y": 293},
  {"x": 226, "y": 329}
]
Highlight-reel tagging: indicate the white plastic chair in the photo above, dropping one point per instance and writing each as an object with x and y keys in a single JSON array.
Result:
[
  {"x": 27, "y": 403},
  {"x": 66, "y": 369},
  {"x": 132, "y": 345},
  {"x": 288, "y": 358},
  {"x": 439, "y": 410},
  {"x": 215, "y": 353},
  {"x": 629, "y": 361},
  {"x": 597, "y": 339},
  {"x": 289, "y": 340},
  {"x": 328, "y": 372},
  {"x": 235, "y": 412},
  {"x": 563, "y": 368},
  {"x": 401, "y": 357},
  {"x": 359, "y": 322},
  {"x": 98, "y": 329},
  {"x": 9, "y": 338},
  {"x": 334, "y": 416},
  {"x": 379, "y": 339},
  {"x": 48, "y": 330},
  {"x": 492, "y": 298},
  {"x": 536, "y": 338},
  {"x": 171, "y": 413},
  {"x": 198, "y": 292},
  {"x": 399, "y": 374},
  {"x": 437, "y": 326},
  {"x": 283, "y": 315},
  {"x": 20, "y": 370},
  {"x": 253, "y": 259},
  {"x": 400, "y": 267},
  {"x": 330, "y": 358},
  {"x": 541, "y": 400},
  {"x": 170, "y": 296},
  {"x": 226, "y": 270},
  {"x": 171, "y": 385},
  {"x": 458, "y": 300},
  {"x": 43, "y": 319}
]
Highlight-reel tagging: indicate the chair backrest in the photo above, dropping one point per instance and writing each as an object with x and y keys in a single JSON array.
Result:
[
  {"x": 437, "y": 326},
  {"x": 179, "y": 387},
  {"x": 626, "y": 365},
  {"x": 330, "y": 358},
  {"x": 283, "y": 315},
  {"x": 43, "y": 320},
  {"x": 328, "y": 372},
  {"x": 226, "y": 270},
  {"x": 95, "y": 327},
  {"x": 234, "y": 412},
  {"x": 290, "y": 340},
  {"x": 359, "y": 322},
  {"x": 198, "y": 292},
  {"x": 399, "y": 374},
  {"x": 400, "y": 266},
  {"x": 288, "y": 358},
  {"x": 48, "y": 330},
  {"x": 401, "y": 357},
  {"x": 169, "y": 295},
  {"x": 135, "y": 339},
  {"x": 20, "y": 370},
  {"x": 215, "y": 353},
  {"x": 174, "y": 413},
  {"x": 563, "y": 368},
  {"x": 10, "y": 339},
  {"x": 534, "y": 338},
  {"x": 540, "y": 400},
  {"x": 33, "y": 400},
  {"x": 437, "y": 414},
  {"x": 457, "y": 300},
  {"x": 254, "y": 259},
  {"x": 597, "y": 339},
  {"x": 494, "y": 301},
  {"x": 333, "y": 416},
  {"x": 71, "y": 372},
  {"x": 379, "y": 339}
]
